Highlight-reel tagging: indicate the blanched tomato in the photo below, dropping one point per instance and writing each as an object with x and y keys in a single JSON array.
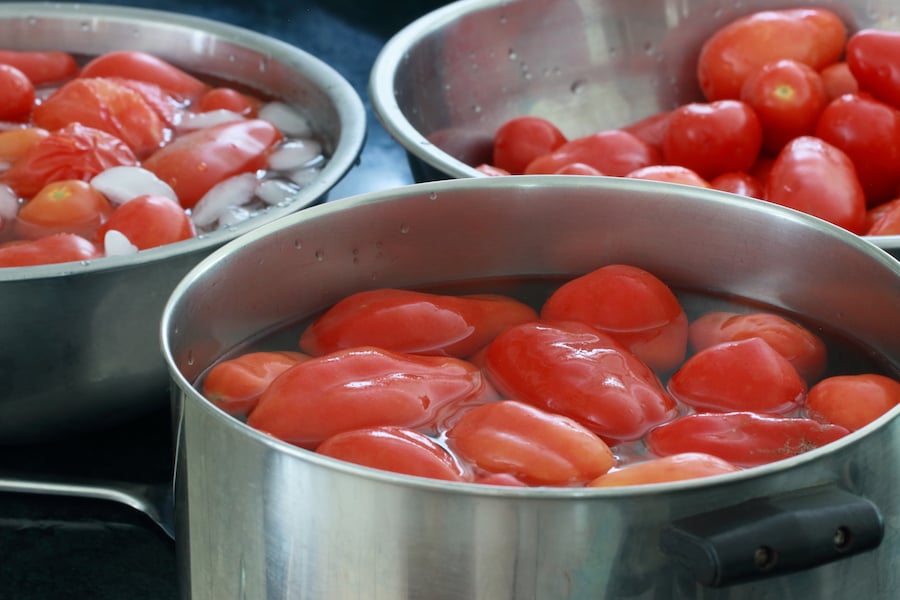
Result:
[
  {"x": 520, "y": 140},
  {"x": 738, "y": 182},
  {"x": 130, "y": 64},
  {"x": 669, "y": 174},
  {"x": 884, "y": 219},
  {"x": 838, "y": 80},
  {"x": 226, "y": 98},
  {"x": 68, "y": 206},
  {"x": 14, "y": 143},
  {"x": 235, "y": 384},
  {"x": 16, "y": 94},
  {"x": 41, "y": 67},
  {"x": 51, "y": 249},
  {"x": 149, "y": 221},
  {"x": 613, "y": 152},
  {"x": 853, "y": 401},
  {"x": 873, "y": 56},
  {"x": 678, "y": 467},
  {"x": 577, "y": 169}
]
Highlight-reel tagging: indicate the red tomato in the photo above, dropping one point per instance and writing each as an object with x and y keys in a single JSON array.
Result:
[
  {"x": 226, "y": 98},
  {"x": 813, "y": 36},
  {"x": 629, "y": 304},
  {"x": 394, "y": 449},
  {"x": 884, "y": 219},
  {"x": 803, "y": 348},
  {"x": 491, "y": 170},
  {"x": 575, "y": 370},
  {"x": 678, "y": 467},
  {"x": 744, "y": 439},
  {"x": 16, "y": 94},
  {"x": 193, "y": 163},
  {"x": 105, "y": 105},
  {"x": 744, "y": 375},
  {"x": 57, "y": 248},
  {"x": 41, "y": 67},
  {"x": 73, "y": 152},
  {"x": 364, "y": 387},
  {"x": 651, "y": 129},
  {"x": 713, "y": 138},
  {"x": 817, "y": 178},
  {"x": 165, "y": 106},
  {"x": 149, "y": 221},
  {"x": 669, "y": 174},
  {"x": 738, "y": 182},
  {"x": 131, "y": 64},
  {"x": 853, "y": 401},
  {"x": 788, "y": 97},
  {"x": 867, "y": 131},
  {"x": 414, "y": 322},
  {"x": 577, "y": 169},
  {"x": 873, "y": 56},
  {"x": 535, "y": 446},
  {"x": 612, "y": 152},
  {"x": 68, "y": 206},
  {"x": 520, "y": 140},
  {"x": 838, "y": 80},
  {"x": 14, "y": 143},
  {"x": 235, "y": 384}
]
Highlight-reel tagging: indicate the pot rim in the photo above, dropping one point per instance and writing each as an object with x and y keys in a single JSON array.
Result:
[{"x": 347, "y": 104}]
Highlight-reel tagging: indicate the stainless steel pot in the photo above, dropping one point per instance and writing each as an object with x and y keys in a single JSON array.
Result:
[
  {"x": 78, "y": 343},
  {"x": 445, "y": 83},
  {"x": 258, "y": 518}
]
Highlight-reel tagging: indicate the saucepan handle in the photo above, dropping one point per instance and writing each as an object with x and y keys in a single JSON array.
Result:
[{"x": 774, "y": 535}]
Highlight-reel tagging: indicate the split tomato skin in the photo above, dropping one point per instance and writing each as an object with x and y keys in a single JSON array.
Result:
[
  {"x": 873, "y": 56},
  {"x": 414, "y": 322},
  {"x": 51, "y": 249},
  {"x": 677, "y": 467},
  {"x": 853, "y": 401},
  {"x": 235, "y": 384},
  {"x": 520, "y": 140}
]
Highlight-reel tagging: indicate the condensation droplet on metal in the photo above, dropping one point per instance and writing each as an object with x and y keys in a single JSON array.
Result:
[
  {"x": 432, "y": 196},
  {"x": 263, "y": 66},
  {"x": 190, "y": 357},
  {"x": 86, "y": 26},
  {"x": 298, "y": 245},
  {"x": 404, "y": 228},
  {"x": 476, "y": 108},
  {"x": 320, "y": 255},
  {"x": 578, "y": 86},
  {"x": 512, "y": 54},
  {"x": 503, "y": 19}
]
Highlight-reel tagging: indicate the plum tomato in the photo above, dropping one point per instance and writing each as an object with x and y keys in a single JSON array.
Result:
[
  {"x": 131, "y": 64},
  {"x": 613, "y": 152},
  {"x": 745, "y": 439},
  {"x": 575, "y": 370},
  {"x": 743, "y": 375},
  {"x": 106, "y": 105},
  {"x": 226, "y": 98},
  {"x": 365, "y": 387},
  {"x": 520, "y": 140},
  {"x": 815, "y": 177},
  {"x": 813, "y": 36},
  {"x": 414, "y": 322},
  {"x": 68, "y": 206},
  {"x": 395, "y": 449},
  {"x": 803, "y": 348},
  {"x": 535, "y": 446},
  {"x": 14, "y": 143},
  {"x": 651, "y": 129},
  {"x": 629, "y": 304},
  {"x": 838, "y": 80},
  {"x": 491, "y": 170},
  {"x": 738, "y": 182},
  {"x": 41, "y": 67},
  {"x": 235, "y": 384},
  {"x": 149, "y": 221},
  {"x": 73, "y": 152},
  {"x": 195, "y": 162},
  {"x": 577, "y": 168},
  {"x": 873, "y": 56},
  {"x": 16, "y": 94},
  {"x": 669, "y": 174},
  {"x": 868, "y": 131},
  {"x": 713, "y": 138},
  {"x": 51, "y": 249},
  {"x": 884, "y": 219},
  {"x": 788, "y": 97},
  {"x": 677, "y": 467},
  {"x": 852, "y": 401}
]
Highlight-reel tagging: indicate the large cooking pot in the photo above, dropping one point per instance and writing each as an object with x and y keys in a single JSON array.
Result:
[
  {"x": 443, "y": 84},
  {"x": 259, "y": 518},
  {"x": 78, "y": 344}
]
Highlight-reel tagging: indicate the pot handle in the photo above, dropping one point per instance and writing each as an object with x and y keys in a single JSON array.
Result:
[{"x": 771, "y": 536}]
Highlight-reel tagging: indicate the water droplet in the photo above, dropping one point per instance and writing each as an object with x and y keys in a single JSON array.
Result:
[
  {"x": 86, "y": 26},
  {"x": 503, "y": 19},
  {"x": 512, "y": 54},
  {"x": 263, "y": 66},
  {"x": 476, "y": 108},
  {"x": 320, "y": 255},
  {"x": 190, "y": 357},
  {"x": 32, "y": 21},
  {"x": 433, "y": 196},
  {"x": 298, "y": 245},
  {"x": 404, "y": 228},
  {"x": 578, "y": 86}
]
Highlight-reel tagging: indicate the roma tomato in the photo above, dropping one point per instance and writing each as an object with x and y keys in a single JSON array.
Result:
[
  {"x": 365, "y": 387},
  {"x": 738, "y": 182},
  {"x": 149, "y": 221},
  {"x": 613, "y": 152},
  {"x": 884, "y": 219},
  {"x": 812, "y": 176},
  {"x": 744, "y": 439},
  {"x": 788, "y": 97},
  {"x": 414, "y": 322},
  {"x": 226, "y": 98},
  {"x": 577, "y": 169},
  {"x": 195, "y": 162},
  {"x": 678, "y": 467},
  {"x": 575, "y": 370},
  {"x": 520, "y": 140},
  {"x": 713, "y": 138},
  {"x": 803, "y": 348},
  {"x": 131, "y": 64},
  {"x": 629, "y": 304},
  {"x": 57, "y": 248},
  {"x": 867, "y": 131},
  {"x": 108, "y": 106},
  {"x": 235, "y": 384},
  {"x": 669, "y": 174},
  {"x": 813, "y": 36},
  {"x": 73, "y": 152},
  {"x": 41, "y": 67},
  {"x": 395, "y": 449},
  {"x": 16, "y": 94},
  {"x": 744, "y": 375},
  {"x": 853, "y": 401},
  {"x": 838, "y": 80},
  {"x": 14, "y": 143},
  {"x": 535, "y": 446},
  {"x": 873, "y": 56},
  {"x": 68, "y": 206}
]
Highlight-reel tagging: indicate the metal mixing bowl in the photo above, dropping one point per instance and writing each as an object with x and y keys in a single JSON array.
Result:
[
  {"x": 79, "y": 342},
  {"x": 443, "y": 84}
]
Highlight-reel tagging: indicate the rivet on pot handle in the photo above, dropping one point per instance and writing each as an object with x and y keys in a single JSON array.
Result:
[{"x": 771, "y": 536}]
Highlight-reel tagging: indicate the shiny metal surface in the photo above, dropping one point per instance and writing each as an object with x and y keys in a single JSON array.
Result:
[
  {"x": 442, "y": 85},
  {"x": 260, "y": 519},
  {"x": 78, "y": 342}
]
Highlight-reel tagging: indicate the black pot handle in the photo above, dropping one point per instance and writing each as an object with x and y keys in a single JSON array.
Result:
[{"x": 771, "y": 536}]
